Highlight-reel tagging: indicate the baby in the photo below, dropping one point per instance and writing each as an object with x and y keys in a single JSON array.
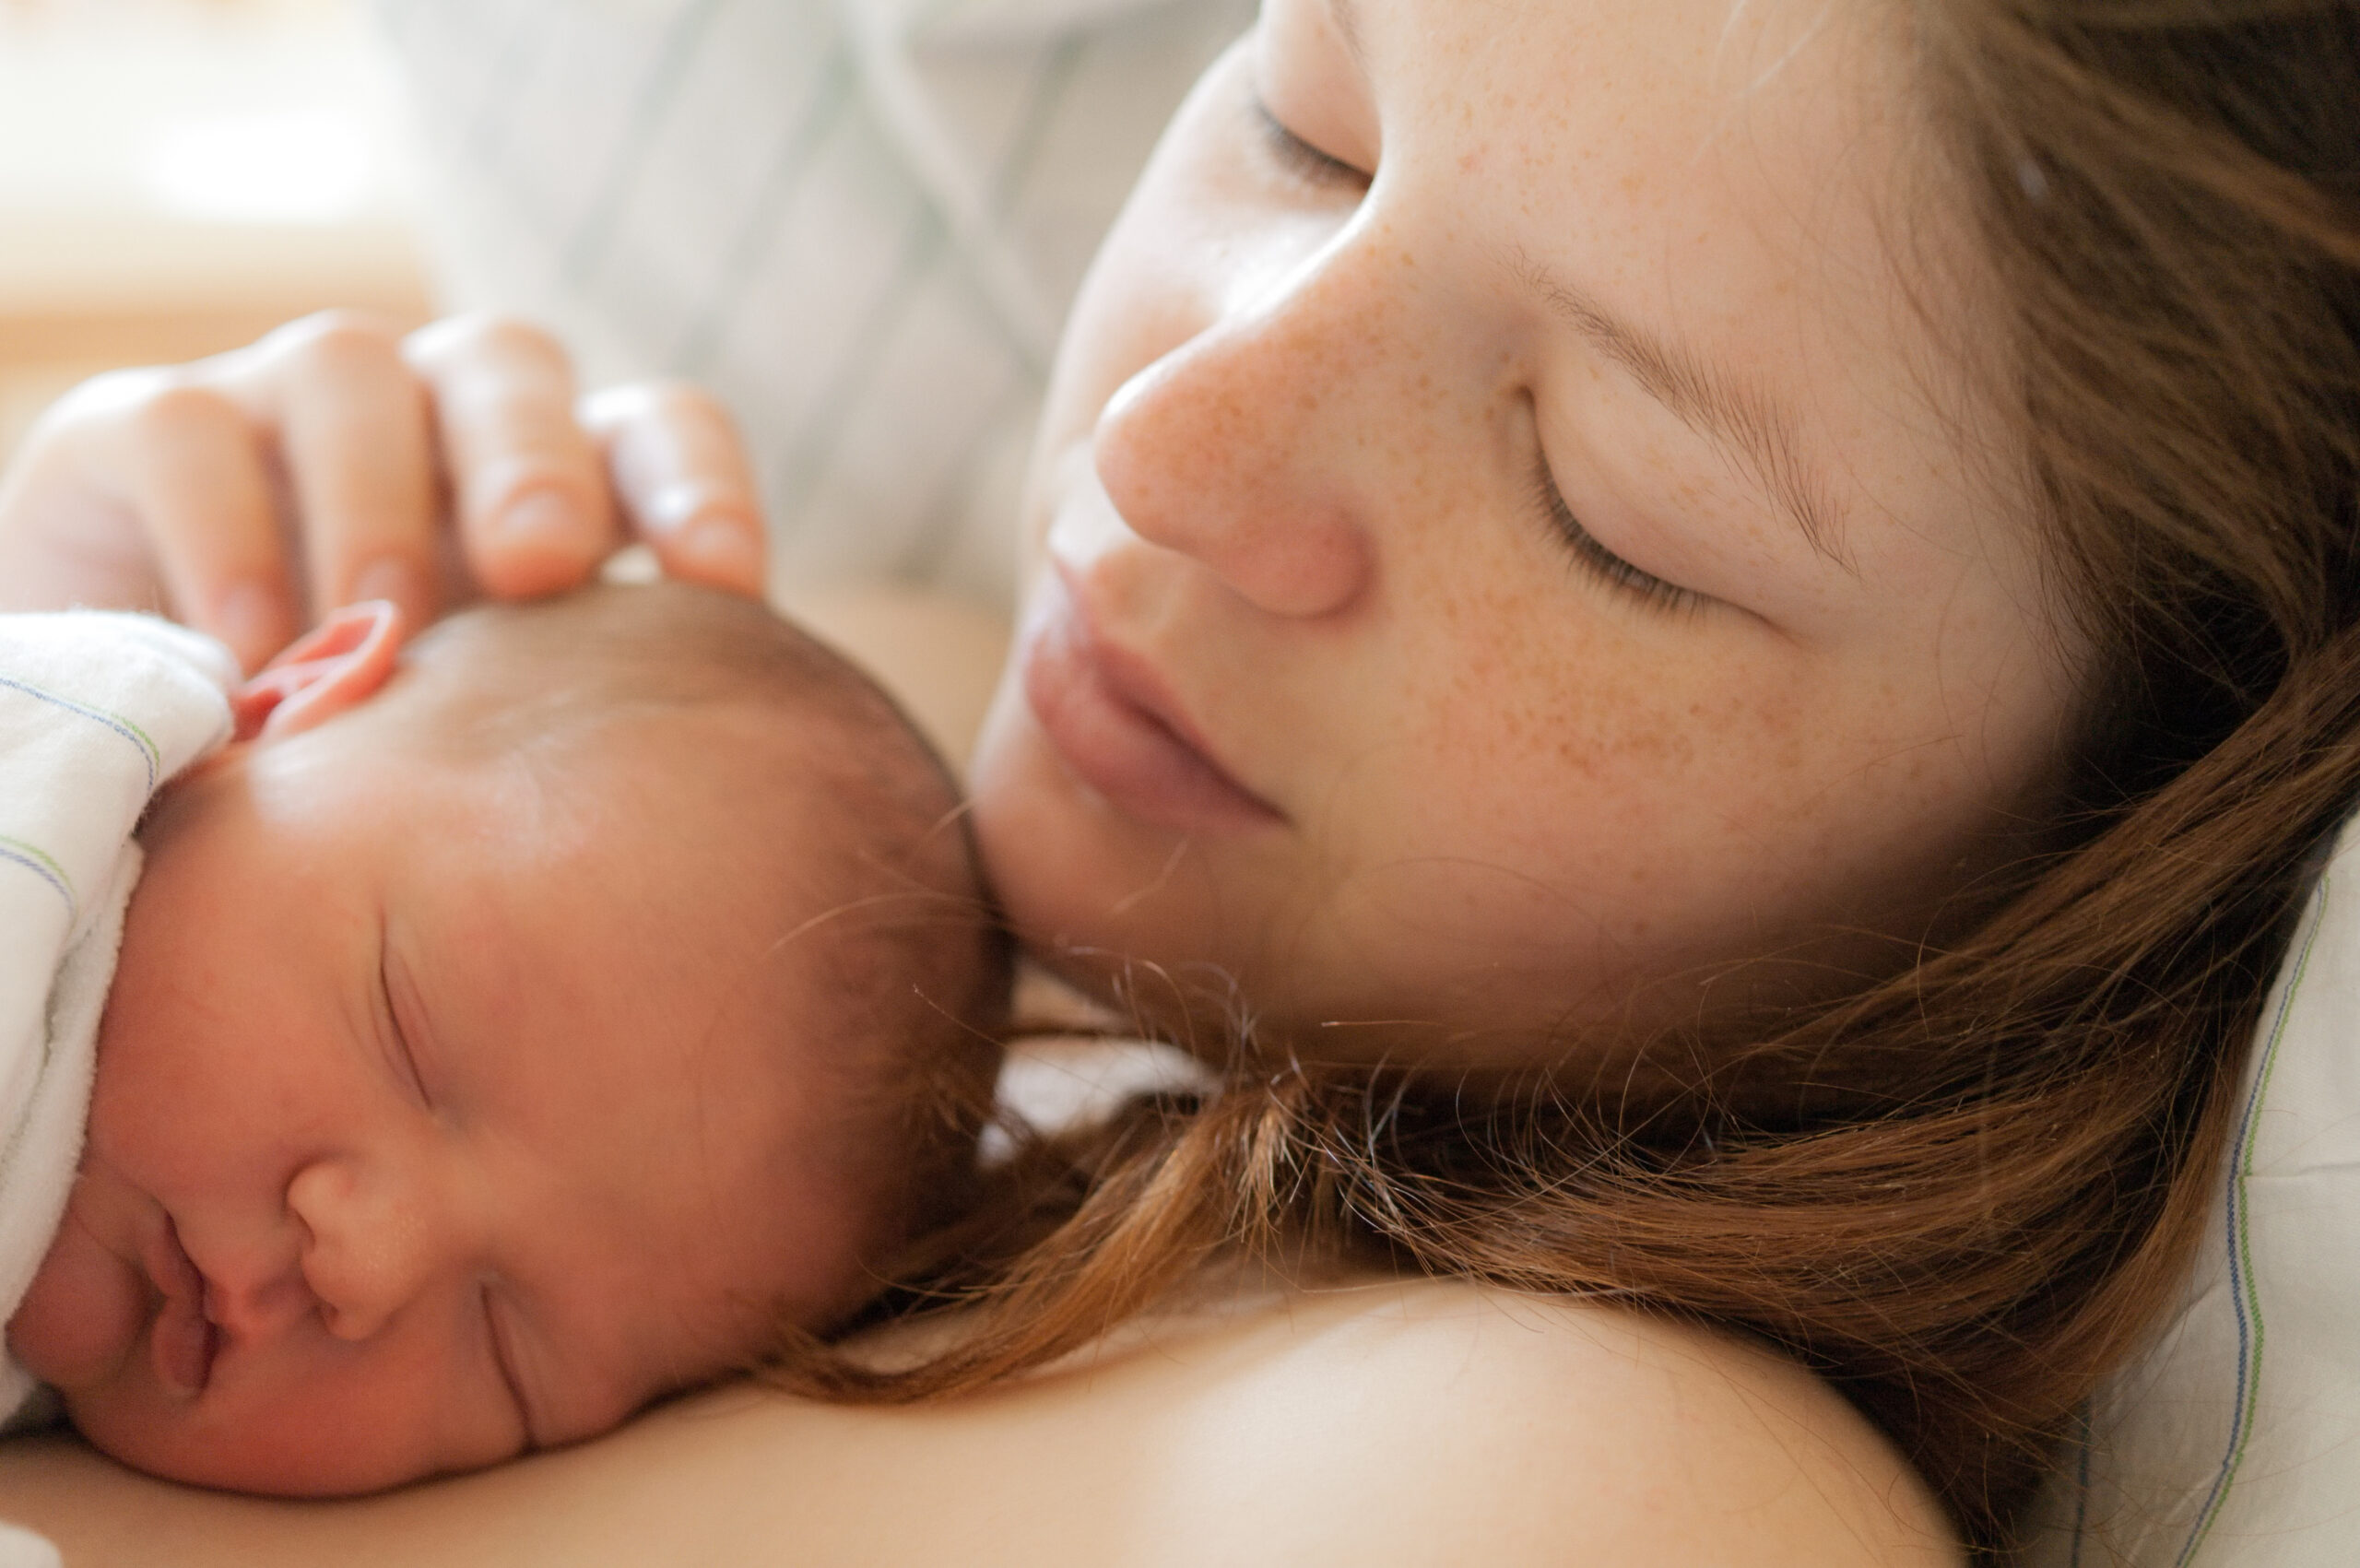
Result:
[{"x": 508, "y": 1029}]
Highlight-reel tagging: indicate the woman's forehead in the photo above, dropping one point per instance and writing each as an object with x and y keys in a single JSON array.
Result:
[
  {"x": 1738, "y": 208},
  {"x": 1676, "y": 168}
]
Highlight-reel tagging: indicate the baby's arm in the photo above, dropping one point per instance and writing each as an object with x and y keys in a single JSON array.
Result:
[{"x": 336, "y": 460}]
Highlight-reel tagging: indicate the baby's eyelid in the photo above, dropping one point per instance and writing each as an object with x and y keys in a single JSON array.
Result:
[{"x": 405, "y": 1054}]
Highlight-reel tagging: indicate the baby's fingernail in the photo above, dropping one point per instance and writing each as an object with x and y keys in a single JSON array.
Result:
[
  {"x": 716, "y": 550},
  {"x": 543, "y": 517},
  {"x": 248, "y": 618},
  {"x": 388, "y": 579}
]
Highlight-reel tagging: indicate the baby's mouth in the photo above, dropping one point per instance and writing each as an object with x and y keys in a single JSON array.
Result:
[{"x": 182, "y": 1341}]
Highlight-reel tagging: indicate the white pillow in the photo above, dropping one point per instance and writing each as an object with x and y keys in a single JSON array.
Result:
[{"x": 2235, "y": 1442}]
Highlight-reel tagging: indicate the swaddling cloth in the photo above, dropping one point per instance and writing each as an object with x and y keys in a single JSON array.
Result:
[{"x": 97, "y": 713}]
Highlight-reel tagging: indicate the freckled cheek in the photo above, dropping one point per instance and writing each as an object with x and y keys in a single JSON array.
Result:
[{"x": 1585, "y": 749}]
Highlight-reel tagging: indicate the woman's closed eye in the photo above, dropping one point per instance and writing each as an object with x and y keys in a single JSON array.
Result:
[
  {"x": 1599, "y": 561},
  {"x": 1300, "y": 158}
]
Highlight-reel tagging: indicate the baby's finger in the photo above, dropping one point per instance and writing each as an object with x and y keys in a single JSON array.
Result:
[
  {"x": 533, "y": 512},
  {"x": 356, "y": 439},
  {"x": 681, "y": 470},
  {"x": 193, "y": 468}
]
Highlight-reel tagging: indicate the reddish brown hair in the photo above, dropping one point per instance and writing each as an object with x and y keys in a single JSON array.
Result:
[{"x": 1965, "y": 1192}]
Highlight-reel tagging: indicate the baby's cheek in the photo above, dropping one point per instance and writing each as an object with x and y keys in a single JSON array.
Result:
[
  {"x": 328, "y": 1437},
  {"x": 81, "y": 1317}
]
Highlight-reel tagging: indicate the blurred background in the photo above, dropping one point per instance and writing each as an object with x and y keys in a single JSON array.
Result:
[{"x": 177, "y": 176}]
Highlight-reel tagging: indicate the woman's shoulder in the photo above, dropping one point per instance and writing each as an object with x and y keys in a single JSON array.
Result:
[
  {"x": 1432, "y": 1421},
  {"x": 1414, "y": 1422},
  {"x": 1385, "y": 1423}
]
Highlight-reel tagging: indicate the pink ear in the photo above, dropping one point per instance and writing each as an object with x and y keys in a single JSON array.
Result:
[{"x": 339, "y": 663}]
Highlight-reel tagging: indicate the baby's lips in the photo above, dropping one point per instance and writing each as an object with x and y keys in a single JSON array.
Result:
[
  {"x": 182, "y": 1341},
  {"x": 183, "y": 1344}
]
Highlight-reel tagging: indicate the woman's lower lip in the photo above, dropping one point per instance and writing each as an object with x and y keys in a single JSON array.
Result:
[
  {"x": 1143, "y": 767},
  {"x": 182, "y": 1341}
]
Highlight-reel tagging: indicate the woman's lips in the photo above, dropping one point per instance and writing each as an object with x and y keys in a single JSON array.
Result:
[
  {"x": 182, "y": 1341},
  {"x": 1108, "y": 717}
]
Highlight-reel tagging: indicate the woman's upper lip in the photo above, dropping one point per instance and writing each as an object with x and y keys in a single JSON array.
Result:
[{"x": 1133, "y": 679}]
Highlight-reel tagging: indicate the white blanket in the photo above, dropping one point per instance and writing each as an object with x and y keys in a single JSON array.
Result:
[
  {"x": 2234, "y": 1440},
  {"x": 97, "y": 711},
  {"x": 908, "y": 191}
]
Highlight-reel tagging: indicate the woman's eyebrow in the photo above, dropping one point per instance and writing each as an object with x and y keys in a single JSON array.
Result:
[{"x": 1735, "y": 416}]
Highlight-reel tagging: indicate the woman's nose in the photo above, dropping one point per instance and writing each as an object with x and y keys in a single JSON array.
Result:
[
  {"x": 373, "y": 1242},
  {"x": 1258, "y": 447}
]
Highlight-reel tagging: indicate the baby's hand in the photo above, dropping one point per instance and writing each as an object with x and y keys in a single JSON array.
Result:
[{"x": 336, "y": 460}]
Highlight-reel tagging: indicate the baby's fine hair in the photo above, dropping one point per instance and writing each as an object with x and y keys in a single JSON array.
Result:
[{"x": 900, "y": 969}]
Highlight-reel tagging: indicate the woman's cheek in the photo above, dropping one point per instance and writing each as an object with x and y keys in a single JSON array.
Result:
[{"x": 1143, "y": 296}]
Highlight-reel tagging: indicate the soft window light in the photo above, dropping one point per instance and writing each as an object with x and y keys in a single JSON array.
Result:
[{"x": 312, "y": 165}]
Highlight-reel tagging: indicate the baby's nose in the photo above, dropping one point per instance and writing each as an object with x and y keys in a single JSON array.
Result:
[
  {"x": 257, "y": 1302},
  {"x": 372, "y": 1244}
]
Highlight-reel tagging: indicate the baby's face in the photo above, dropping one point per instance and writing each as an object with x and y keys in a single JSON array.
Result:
[{"x": 430, "y": 1102}]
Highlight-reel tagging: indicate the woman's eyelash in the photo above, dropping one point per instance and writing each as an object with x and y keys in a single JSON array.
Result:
[
  {"x": 1298, "y": 157},
  {"x": 1597, "y": 560}
]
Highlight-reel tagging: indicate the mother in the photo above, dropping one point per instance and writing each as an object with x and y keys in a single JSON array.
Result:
[{"x": 1698, "y": 642}]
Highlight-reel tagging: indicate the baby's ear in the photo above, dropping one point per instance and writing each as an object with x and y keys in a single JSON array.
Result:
[{"x": 339, "y": 663}]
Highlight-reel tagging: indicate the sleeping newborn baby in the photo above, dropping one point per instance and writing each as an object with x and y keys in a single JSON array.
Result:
[{"x": 507, "y": 1030}]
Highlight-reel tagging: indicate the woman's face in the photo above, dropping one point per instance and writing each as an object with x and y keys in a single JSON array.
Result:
[{"x": 1518, "y": 557}]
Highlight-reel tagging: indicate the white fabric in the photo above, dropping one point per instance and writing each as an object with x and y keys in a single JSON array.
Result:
[
  {"x": 97, "y": 711},
  {"x": 19, "y": 1547},
  {"x": 2234, "y": 1442},
  {"x": 860, "y": 221}
]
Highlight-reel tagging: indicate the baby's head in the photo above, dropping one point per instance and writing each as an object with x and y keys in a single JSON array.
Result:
[{"x": 507, "y": 1033}]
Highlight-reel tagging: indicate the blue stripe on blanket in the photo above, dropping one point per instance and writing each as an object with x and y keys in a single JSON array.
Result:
[
  {"x": 40, "y": 866},
  {"x": 2245, "y": 1290},
  {"x": 122, "y": 726}
]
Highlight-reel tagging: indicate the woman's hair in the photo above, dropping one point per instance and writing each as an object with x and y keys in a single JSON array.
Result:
[{"x": 1966, "y": 1192}]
